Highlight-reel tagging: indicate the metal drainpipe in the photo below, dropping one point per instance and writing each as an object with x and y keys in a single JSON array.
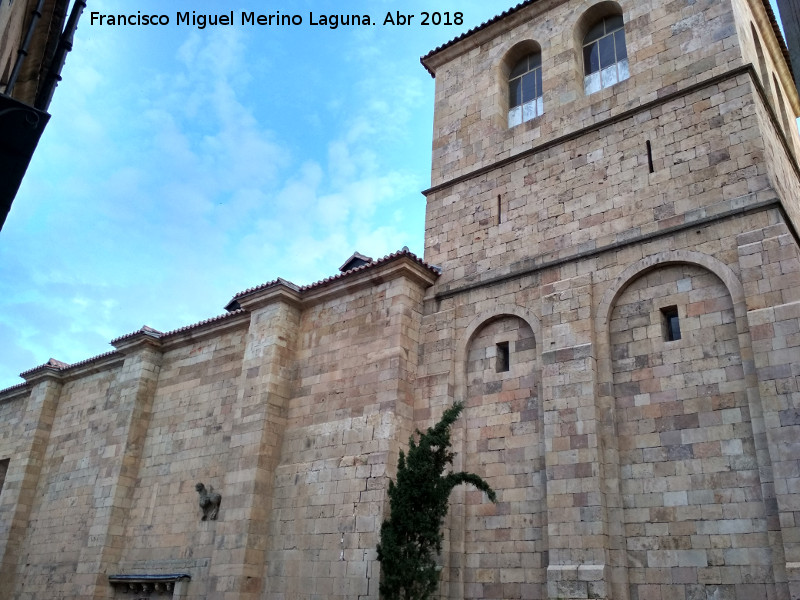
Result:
[
  {"x": 45, "y": 95},
  {"x": 36, "y": 14}
]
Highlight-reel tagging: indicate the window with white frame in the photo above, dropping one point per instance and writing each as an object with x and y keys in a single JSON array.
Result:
[
  {"x": 605, "y": 56},
  {"x": 525, "y": 90}
]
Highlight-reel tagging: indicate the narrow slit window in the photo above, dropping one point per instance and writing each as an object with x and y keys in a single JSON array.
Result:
[
  {"x": 3, "y": 471},
  {"x": 671, "y": 322},
  {"x": 499, "y": 209},
  {"x": 502, "y": 358},
  {"x": 650, "y": 157}
]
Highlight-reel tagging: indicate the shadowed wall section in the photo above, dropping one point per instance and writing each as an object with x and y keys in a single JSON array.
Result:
[
  {"x": 506, "y": 543},
  {"x": 691, "y": 493}
]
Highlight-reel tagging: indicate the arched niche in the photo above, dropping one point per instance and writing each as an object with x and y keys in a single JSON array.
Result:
[
  {"x": 498, "y": 361},
  {"x": 688, "y": 462}
]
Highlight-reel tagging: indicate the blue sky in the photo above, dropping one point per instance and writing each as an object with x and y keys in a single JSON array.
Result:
[{"x": 182, "y": 166}]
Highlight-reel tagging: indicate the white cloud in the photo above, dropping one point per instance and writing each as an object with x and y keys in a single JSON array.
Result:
[{"x": 177, "y": 173}]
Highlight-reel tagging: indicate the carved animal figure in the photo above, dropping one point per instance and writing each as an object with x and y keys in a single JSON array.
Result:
[{"x": 209, "y": 502}]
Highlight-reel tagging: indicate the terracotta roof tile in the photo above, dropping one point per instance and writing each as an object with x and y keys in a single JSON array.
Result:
[
  {"x": 381, "y": 261},
  {"x": 13, "y": 387},
  {"x": 62, "y": 366},
  {"x": 263, "y": 286},
  {"x": 502, "y": 15},
  {"x": 58, "y": 365},
  {"x": 144, "y": 329},
  {"x": 216, "y": 319},
  {"x": 90, "y": 360},
  {"x": 374, "y": 264},
  {"x": 162, "y": 335},
  {"x": 777, "y": 29},
  {"x": 465, "y": 35},
  {"x": 50, "y": 364}
]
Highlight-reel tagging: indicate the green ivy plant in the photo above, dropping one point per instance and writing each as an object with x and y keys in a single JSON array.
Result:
[{"x": 411, "y": 536}]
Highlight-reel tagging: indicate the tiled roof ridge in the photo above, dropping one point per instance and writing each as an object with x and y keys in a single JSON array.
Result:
[
  {"x": 90, "y": 360},
  {"x": 51, "y": 363},
  {"x": 208, "y": 321},
  {"x": 143, "y": 329},
  {"x": 163, "y": 334},
  {"x": 14, "y": 387},
  {"x": 61, "y": 366},
  {"x": 264, "y": 286},
  {"x": 773, "y": 19},
  {"x": 476, "y": 29},
  {"x": 404, "y": 251},
  {"x": 374, "y": 264},
  {"x": 56, "y": 364},
  {"x": 770, "y": 14}
]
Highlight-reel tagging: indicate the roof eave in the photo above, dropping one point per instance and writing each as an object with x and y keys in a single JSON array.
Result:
[
  {"x": 280, "y": 289},
  {"x": 403, "y": 265},
  {"x": 209, "y": 328},
  {"x": 429, "y": 60}
]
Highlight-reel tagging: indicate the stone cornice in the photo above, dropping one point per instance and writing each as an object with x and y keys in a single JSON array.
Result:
[
  {"x": 52, "y": 368},
  {"x": 280, "y": 290},
  {"x": 778, "y": 52},
  {"x": 398, "y": 264},
  {"x": 92, "y": 365},
  {"x": 479, "y": 35},
  {"x": 403, "y": 266},
  {"x": 727, "y": 209},
  {"x": 61, "y": 371},
  {"x": 22, "y": 389},
  {"x": 146, "y": 336},
  {"x": 211, "y": 327}
]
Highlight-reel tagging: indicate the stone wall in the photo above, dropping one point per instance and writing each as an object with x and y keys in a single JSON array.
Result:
[
  {"x": 82, "y": 427},
  {"x": 670, "y": 47},
  {"x": 628, "y": 463},
  {"x": 293, "y": 407},
  {"x": 187, "y": 441},
  {"x": 596, "y": 190},
  {"x": 506, "y": 544},
  {"x": 691, "y": 492},
  {"x": 348, "y": 417},
  {"x": 586, "y": 222}
]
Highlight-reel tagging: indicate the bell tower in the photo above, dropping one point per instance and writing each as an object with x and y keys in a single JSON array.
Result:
[{"x": 613, "y": 204}]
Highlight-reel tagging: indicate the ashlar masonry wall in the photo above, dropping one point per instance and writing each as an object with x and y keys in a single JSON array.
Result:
[
  {"x": 657, "y": 456},
  {"x": 670, "y": 47},
  {"x": 691, "y": 491},
  {"x": 187, "y": 441},
  {"x": 628, "y": 464},
  {"x": 504, "y": 441},
  {"x": 349, "y": 414},
  {"x": 291, "y": 406},
  {"x": 596, "y": 190},
  {"x": 66, "y": 492},
  {"x": 660, "y": 457}
]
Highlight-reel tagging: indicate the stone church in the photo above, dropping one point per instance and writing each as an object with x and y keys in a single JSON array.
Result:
[{"x": 611, "y": 285}]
